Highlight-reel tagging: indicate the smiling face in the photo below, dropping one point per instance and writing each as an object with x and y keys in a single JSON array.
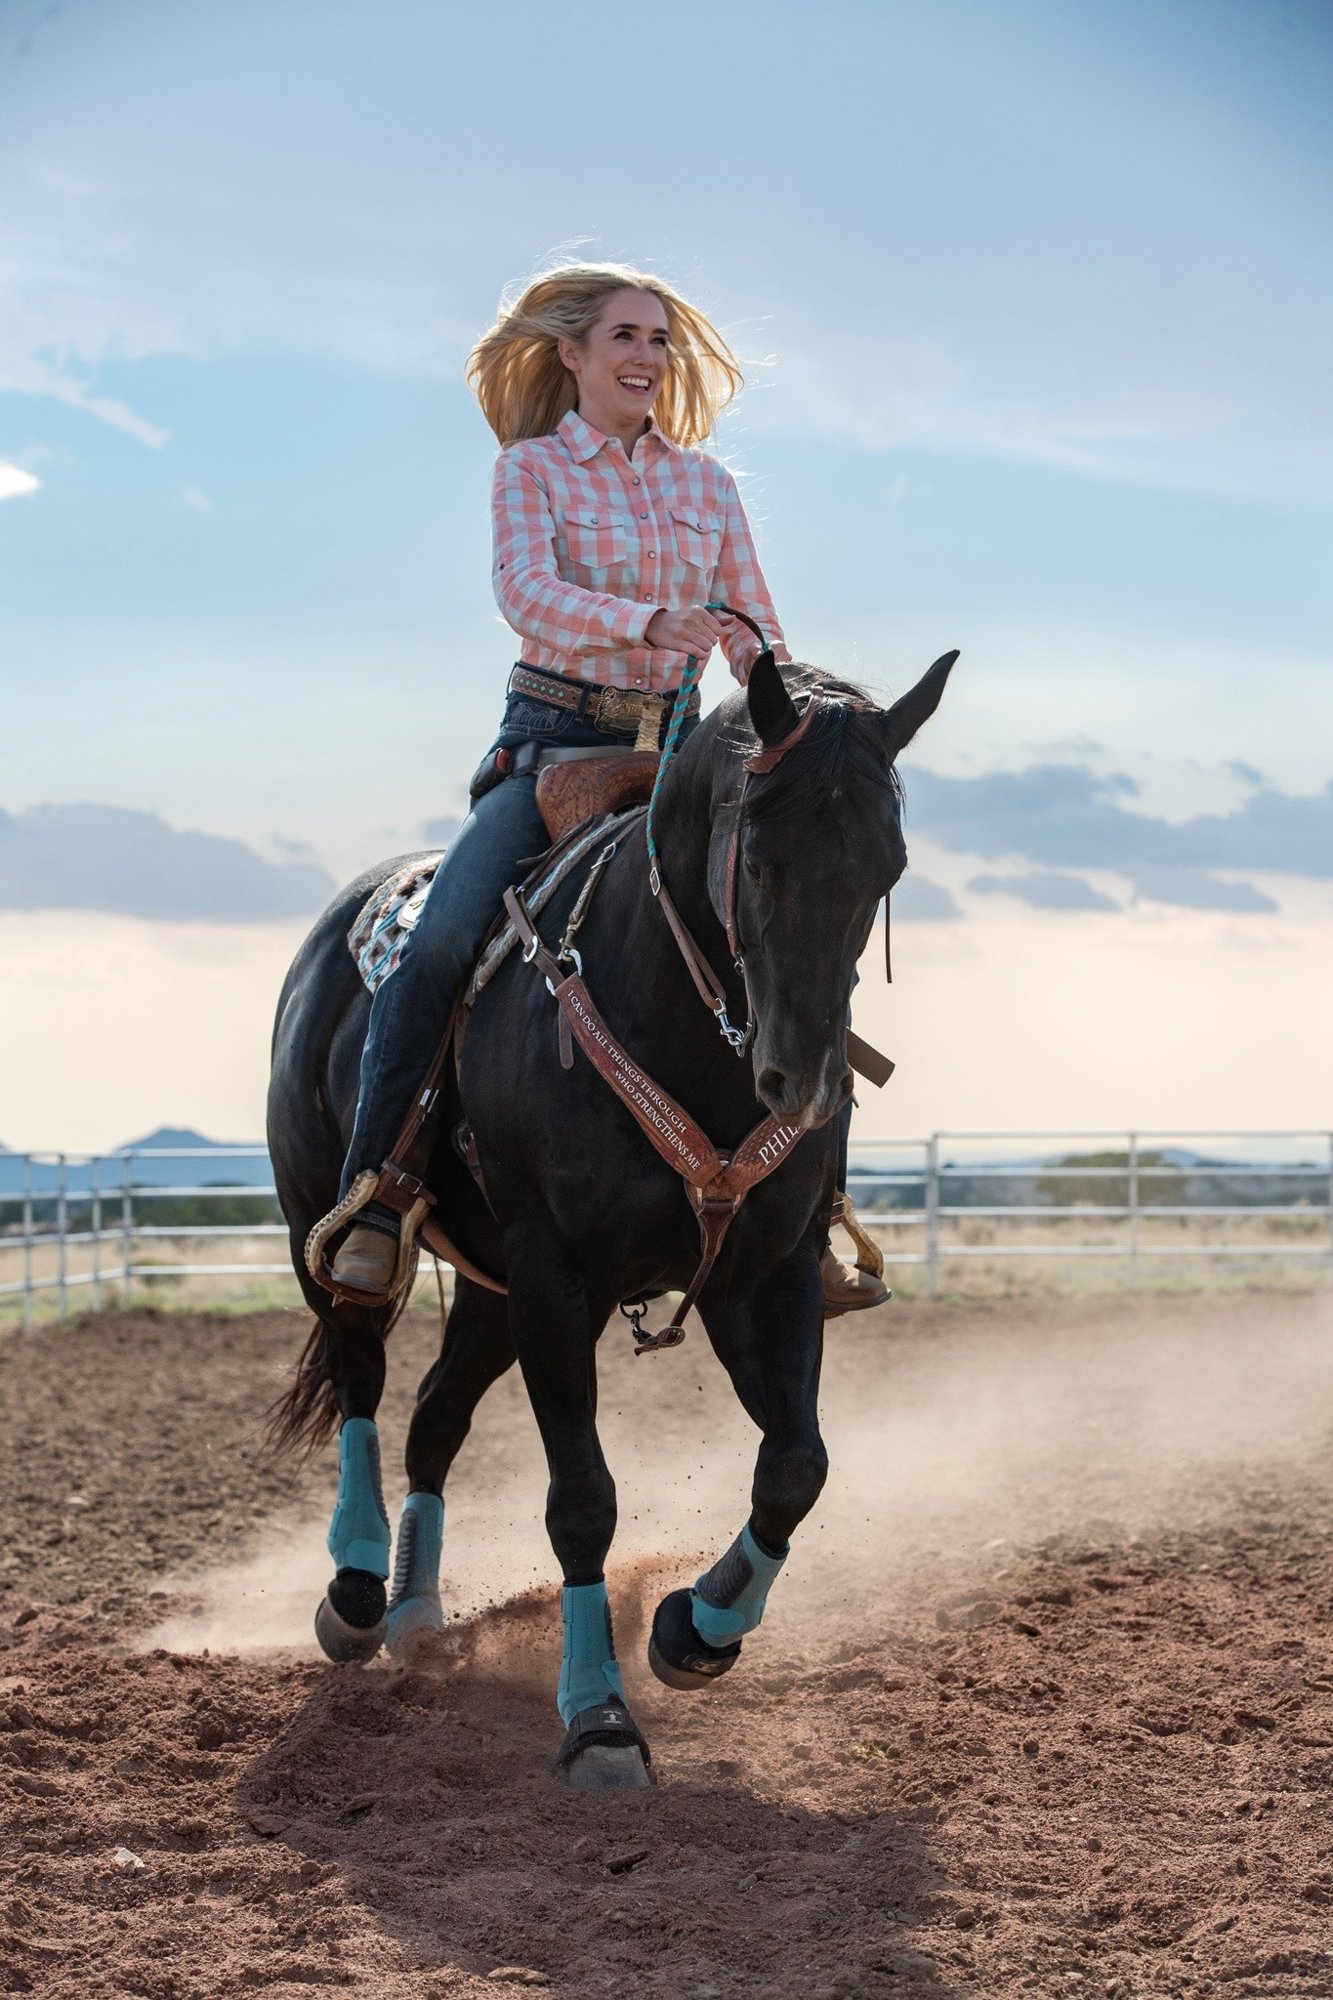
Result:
[{"x": 621, "y": 363}]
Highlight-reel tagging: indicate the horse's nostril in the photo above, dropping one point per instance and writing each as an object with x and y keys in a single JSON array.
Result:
[{"x": 773, "y": 1087}]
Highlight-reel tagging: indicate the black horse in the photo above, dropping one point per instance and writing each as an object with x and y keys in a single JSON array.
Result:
[{"x": 580, "y": 1213}]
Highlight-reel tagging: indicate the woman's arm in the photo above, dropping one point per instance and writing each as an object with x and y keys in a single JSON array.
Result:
[
  {"x": 739, "y": 580},
  {"x": 534, "y": 597}
]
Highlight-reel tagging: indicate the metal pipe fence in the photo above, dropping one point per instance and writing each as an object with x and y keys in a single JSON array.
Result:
[
  {"x": 1147, "y": 1165},
  {"x": 68, "y": 1202},
  {"x": 75, "y": 1223}
]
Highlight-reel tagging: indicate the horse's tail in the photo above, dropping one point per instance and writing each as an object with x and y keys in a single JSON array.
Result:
[{"x": 306, "y": 1415}]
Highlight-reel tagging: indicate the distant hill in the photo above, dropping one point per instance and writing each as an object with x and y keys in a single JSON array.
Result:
[{"x": 248, "y": 1171}]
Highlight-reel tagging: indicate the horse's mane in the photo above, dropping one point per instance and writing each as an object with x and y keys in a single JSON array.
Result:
[{"x": 843, "y": 745}]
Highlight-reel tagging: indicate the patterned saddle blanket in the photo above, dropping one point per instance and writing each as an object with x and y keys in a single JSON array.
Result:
[{"x": 387, "y": 919}]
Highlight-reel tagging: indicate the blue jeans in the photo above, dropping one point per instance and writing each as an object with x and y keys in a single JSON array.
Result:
[{"x": 411, "y": 1007}]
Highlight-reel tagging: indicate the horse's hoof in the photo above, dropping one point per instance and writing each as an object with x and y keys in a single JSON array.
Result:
[
  {"x": 600, "y": 1768},
  {"x": 413, "y": 1618},
  {"x": 676, "y": 1653},
  {"x": 350, "y": 1623},
  {"x": 603, "y": 1751}
]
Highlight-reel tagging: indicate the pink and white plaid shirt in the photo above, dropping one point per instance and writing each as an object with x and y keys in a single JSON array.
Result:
[{"x": 588, "y": 544}]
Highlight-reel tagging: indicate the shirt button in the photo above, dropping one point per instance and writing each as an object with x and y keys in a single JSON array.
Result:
[
  {"x": 638, "y": 482},
  {"x": 644, "y": 515},
  {"x": 639, "y": 684},
  {"x": 652, "y": 555}
]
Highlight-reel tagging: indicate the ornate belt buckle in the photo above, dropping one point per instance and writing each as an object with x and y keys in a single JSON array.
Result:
[{"x": 619, "y": 709}]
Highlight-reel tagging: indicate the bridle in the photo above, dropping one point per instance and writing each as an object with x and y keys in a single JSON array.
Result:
[{"x": 706, "y": 981}]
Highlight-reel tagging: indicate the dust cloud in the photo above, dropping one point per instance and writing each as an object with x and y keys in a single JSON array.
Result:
[{"x": 951, "y": 1429}]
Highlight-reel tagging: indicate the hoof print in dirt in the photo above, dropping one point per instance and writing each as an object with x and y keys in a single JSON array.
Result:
[
  {"x": 350, "y": 1622},
  {"x": 604, "y": 1752},
  {"x": 676, "y": 1653}
]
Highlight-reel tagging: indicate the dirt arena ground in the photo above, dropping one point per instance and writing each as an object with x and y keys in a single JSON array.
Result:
[{"x": 1043, "y": 1703}]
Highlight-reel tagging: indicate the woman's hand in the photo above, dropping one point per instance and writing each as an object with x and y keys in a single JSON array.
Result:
[{"x": 694, "y": 631}]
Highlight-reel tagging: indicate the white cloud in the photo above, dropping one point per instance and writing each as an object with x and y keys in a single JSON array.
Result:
[
  {"x": 192, "y": 497},
  {"x": 65, "y": 316},
  {"x": 1120, "y": 402},
  {"x": 14, "y": 480}
]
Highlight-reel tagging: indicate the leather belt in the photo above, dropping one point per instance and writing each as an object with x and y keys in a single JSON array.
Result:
[{"x": 618, "y": 711}]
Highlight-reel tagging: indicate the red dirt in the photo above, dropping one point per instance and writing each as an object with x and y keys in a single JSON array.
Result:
[{"x": 961, "y": 1757}]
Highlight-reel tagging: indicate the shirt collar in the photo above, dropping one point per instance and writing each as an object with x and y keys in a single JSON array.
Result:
[{"x": 583, "y": 442}]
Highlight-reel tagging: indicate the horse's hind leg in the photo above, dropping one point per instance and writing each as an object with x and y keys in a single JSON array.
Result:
[
  {"x": 478, "y": 1348},
  {"x": 555, "y": 1327},
  {"x": 348, "y": 1351},
  {"x": 771, "y": 1346}
]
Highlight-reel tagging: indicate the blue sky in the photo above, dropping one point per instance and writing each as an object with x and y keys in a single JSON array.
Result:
[{"x": 1039, "y": 301}]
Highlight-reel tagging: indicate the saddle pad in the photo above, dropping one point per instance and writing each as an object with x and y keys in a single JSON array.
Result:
[{"x": 387, "y": 918}]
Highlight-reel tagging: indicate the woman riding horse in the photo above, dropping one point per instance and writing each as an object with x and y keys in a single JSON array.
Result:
[{"x": 612, "y": 535}]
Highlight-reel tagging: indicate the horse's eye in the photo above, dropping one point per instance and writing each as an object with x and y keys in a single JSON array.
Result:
[{"x": 752, "y": 869}]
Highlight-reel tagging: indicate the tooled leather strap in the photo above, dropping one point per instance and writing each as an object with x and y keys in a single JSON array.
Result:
[
  {"x": 707, "y": 984},
  {"x": 716, "y": 1185},
  {"x": 679, "y": 1139}
]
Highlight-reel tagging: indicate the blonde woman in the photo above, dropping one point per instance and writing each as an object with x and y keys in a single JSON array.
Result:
[{"x": 612, "y": 532}]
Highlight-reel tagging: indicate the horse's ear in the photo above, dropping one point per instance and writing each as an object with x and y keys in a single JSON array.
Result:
[
  {"x": 901, "y": 722},
  {"x": 772, "y": 710}
]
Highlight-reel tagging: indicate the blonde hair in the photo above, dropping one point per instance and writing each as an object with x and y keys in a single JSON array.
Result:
[{"x": 525, "y": 389}]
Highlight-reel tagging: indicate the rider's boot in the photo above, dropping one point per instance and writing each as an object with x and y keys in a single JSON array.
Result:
[
  {"x": 367, "y": 1258},
  {"x": 853, "y": 1287}
]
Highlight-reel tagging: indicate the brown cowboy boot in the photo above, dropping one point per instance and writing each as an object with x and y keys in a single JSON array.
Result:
[
  {"x": 367, "y": 1259},
  {"x": 853, "y": 1287}
]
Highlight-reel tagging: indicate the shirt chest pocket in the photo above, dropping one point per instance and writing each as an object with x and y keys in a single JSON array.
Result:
[
  {"x": 698, "y": 540},
  {"x": 595, "y": 539}
]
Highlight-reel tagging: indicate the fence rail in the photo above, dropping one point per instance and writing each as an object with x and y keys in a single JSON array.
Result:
[{"x": 87, "y": 1219}]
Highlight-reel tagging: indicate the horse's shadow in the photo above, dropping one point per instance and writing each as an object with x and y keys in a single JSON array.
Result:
[{"x": 430, "y": 1791}]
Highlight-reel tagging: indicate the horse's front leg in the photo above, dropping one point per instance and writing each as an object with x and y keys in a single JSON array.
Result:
[
  {"x": 771, "y": 1345},
  {"x": 555, "y": 1325}
]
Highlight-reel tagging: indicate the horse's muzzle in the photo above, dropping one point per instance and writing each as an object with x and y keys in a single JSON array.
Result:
[{"x": 805, "y": 1094}]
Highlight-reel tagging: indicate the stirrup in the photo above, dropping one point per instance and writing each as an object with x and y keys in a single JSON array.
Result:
[
  {"x": 869, "y": 1256},
  {"x": 363, "y": 1190}
]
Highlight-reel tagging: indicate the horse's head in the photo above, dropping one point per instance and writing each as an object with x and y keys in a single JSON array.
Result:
[{"x": 819, "y": 844}]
